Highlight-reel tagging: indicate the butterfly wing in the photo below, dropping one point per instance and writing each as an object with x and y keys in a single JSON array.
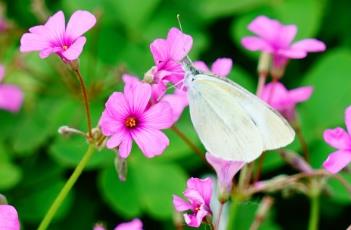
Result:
[{"x": 231, "y": 122}]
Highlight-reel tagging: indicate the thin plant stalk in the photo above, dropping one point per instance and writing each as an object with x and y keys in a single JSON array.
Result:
[
  {"x": 220, "y": 210},
  {"x": 66, "y": 188},
  {"x": 314, "y": 212}
]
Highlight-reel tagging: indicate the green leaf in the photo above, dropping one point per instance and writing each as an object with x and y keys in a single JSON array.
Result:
[
  {"x": 331, "y": 81},
  {"x": 122, "y": 197},
  {"x": 338, "y": 192},
  {"x": 157, "y": 183},
  {"x": 10, "y": 175},
  {"x": 69, "y": 151}
]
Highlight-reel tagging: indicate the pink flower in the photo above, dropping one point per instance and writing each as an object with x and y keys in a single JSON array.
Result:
[
  {"x": 276, "y": 38},
  {"x": 11, "y": 97},
  {"x": 221, "y": 67},
  {"x": 284, "y": 100},
  {"x": 225, "y": 171},
  {"x": 8, "y": 218},
  {"x": 54, "y": 37},
  {"x": 177, "y": 100},
  {"x": 341, "y": 140},
  {"x": 198, "y": 193},
  {"x": 99, "y": 227},
  {"x": 129, "y": 116},
  {"x": 167, "y": 54},
  {"x": 3, "y": 25},
  {"x": 135, "y": 224}
]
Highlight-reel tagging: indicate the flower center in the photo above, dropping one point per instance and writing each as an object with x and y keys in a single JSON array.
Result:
[
  {"x": 65, "y": 47},
  {"x": 130, "y": 122}
]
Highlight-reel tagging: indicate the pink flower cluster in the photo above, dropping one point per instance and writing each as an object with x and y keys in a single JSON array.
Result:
[{"x": 135, "y": 224}]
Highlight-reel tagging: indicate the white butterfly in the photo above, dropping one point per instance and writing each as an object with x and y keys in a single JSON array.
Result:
[{"x": 231, "y": 122}]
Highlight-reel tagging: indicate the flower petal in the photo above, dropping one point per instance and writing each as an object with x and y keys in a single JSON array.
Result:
[
  {"x": 33, "y": 42},
  {"x": 11, "y": 97},
  {"x": 225, "y": 170},
  {"x": 135, "y": 224},
  {"x": 200, "y": 65},
  {"x": 300, "y": 94},
  {"x": 159, "y": 50},
  {"x": 125, "y": 147},
  {"x": 152, "y": 142},
  {"x": 309, "y": 45},
  {"x": 9, "y": 218},
  {"x": 222, "y": 66},
  {"x": 265, "y": 27},
  {"x": 195, "y": 220},
  {"x": 276, "y": 95},
  {"x": 256, "y": 43},
  {"x": 348, "y": 119},
  {"x": 80, "y": 22},
  {"x": 292, "y": 53},
  {"x": 2, "y": 72},
  {"x": 285, "y": 35},
  {"x": 179, "y": 44},
  {"x": 117, "y": 106},
  {"x": 180, "y": 205},
  {"x": 73, "y": 52},
  {"x": 337, "y": 161},
  {"x": 178, "y": 101},
  {"x": 337, "y": 138},
  {"x": 159, "y": 116},
  {"x": 108, "y": 124},
  {"x": 116, "y": 139},
  {"x": 55, "y": 27},
  {"x": 137, "y": 95},
  {"x": 203, "y": 186}
]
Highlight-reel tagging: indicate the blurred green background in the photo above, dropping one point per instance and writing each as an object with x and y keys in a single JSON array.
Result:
[{"x": 35, "y": 160}]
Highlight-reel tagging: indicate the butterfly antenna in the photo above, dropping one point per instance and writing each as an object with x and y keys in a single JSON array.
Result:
[
  {"x": 179, "y": 23},
  {"x": 171, "y": 87}
]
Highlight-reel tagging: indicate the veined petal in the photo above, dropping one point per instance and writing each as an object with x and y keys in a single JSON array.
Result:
[
  {"x": 109, "y": 125},
  {"x": 73, "y": 52},
  {"x": 125, "y": 147},
  {"x": 309, "y": 45},
  {"x": 137, "y": 96},
  {"x": 152, "y": 142},
  {"x": 337, "y": 138},
  {"x": 348, "y": 119},
  {"x": 222, "y": 66},
  {"x": 117, "y": 105},
  {"x": 56, "y": 27},
  {"x": 300, "y": 94},
  {"x": 9, "y": 218},
  {"x": 178, "y": 101},
  {"x": 80, "y": 22},
  {"x": 337, "y": 160},
  {"x": 179, "y": 44},
  {"x": 180, "y": 205},
  {"x": 255, "y": 43},
  {"x": 159, "y": 116},
  {"x": 11, "y": 97}
]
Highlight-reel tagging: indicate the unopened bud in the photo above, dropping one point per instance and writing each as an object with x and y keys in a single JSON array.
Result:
[
  {"x": 67, "y": 131},
  {"x": 121, "y": 167},
  {"x": 264, "y": 63},
  {"x": 3, "y": 199},
  {"x": 149, "y": 75}
]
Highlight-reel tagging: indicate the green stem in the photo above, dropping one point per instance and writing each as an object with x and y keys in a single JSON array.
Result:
[
  {"x": 314, "y": 212},
  {"x": 233, "y": 211},
  {"x": 65, "y": 190}
]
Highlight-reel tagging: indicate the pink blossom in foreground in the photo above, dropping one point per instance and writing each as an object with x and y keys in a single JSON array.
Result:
[
  {"x": 221, "y": 67},
  {"x": 8, "y": 218},
  {"x": 11, "y": 97},
  {"x": 135, "y": 224},
  {"x": 225, "y": 171},
  {"x": 167, "y": 54},
  {"x": 99, "y": 227},
  {"x": 341, "y": 140},
  {"x": 55, "y": 37},
  {"x": 129, "y": 116},
  {"x": 284, "y": 100},
  {"x": 276, "y": 39},
  {"x": 198, "y": 193},
  {"x": 177, "y": 100}
]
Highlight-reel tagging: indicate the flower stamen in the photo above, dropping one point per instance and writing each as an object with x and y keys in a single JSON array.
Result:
[{"x": 130, "y": 122}]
